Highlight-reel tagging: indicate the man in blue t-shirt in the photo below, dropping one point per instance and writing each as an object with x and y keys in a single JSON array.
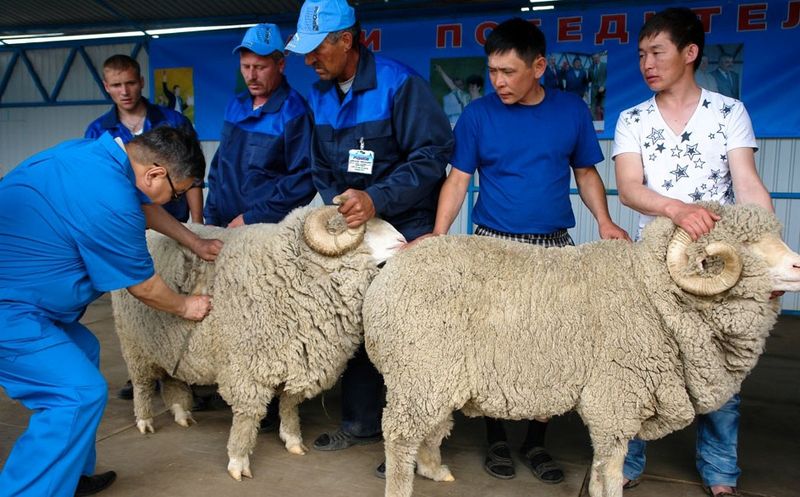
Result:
[
  {"x": 133, "y": 114},
  {"x": 524, "y": 140},
  {"x": 72, "y": 226}
]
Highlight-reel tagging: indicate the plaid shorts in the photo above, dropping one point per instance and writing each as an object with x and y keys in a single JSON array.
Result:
[{"x": 558, "y": 238}]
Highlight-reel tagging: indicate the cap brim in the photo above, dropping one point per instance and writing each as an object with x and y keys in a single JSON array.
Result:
[
  {"x": 303, "y": 43},
  {"x": 253, "y": 49}
]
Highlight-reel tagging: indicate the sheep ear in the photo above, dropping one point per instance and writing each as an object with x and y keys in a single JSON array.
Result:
[
  {"x": 704, "y": 286},
  {"x": 326, "y": 232}
]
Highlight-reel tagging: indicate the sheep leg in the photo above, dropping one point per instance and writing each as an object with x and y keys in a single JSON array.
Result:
[
  {"x": 429, "y": 456},
  {"x": 242, "y": 441},
  {"x": 606, "y": 475},
  {"x": 178, "y": 397},
  {"x": 400, "y": 456},
  {"x": 143, "y": 379},
  {"x": 290, "y": 424}
]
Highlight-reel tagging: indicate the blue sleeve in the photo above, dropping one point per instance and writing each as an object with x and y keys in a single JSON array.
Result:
[
  {"x": 272, "y": 195},
  {"x": 423, "y": 133},
  {"x": 112, "y": 244},
  {"x": 324, "y": 179},
  {"x": 587, "y": 150},
  {"x": 210, "y": 215},
  {"x": 93, "y": 131},
  {"x": 466, "y": 156}
]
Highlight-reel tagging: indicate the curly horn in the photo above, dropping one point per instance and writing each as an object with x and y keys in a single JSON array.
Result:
[
  {"x": 326, "y": 232},
  {"x": 678, "y": 261}
]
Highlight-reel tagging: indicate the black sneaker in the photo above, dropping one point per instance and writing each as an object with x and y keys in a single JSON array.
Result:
[
  {"x": 126, "y": 392},
  {"x": 340, "y": 439},
  {"x": 90, "y": 485}
]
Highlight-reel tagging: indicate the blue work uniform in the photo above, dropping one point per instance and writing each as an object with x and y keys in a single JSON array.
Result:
[
  {"x": 391, "y": 111},
  {"x": 261, "y": 168},
  {"x": 71, "y": 228},
  {"x": 156, "y": 116}
]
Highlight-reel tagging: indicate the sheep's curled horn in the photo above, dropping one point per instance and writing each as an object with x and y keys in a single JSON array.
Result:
[
  {"x": 326, "y": 232},
  {"x": 678, "y": 260}
]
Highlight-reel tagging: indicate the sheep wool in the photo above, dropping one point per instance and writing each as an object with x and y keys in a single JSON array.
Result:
[
  {"x": 285, "y": 321},
  {"x": 515, "y": 331}
]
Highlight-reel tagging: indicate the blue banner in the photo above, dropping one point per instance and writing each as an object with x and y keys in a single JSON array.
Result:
[{"x": 749, "y": 55}]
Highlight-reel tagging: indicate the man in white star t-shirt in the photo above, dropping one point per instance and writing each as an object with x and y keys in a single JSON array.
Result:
[{"x": 683, "y": 145}]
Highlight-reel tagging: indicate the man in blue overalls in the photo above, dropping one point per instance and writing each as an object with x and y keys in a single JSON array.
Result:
[{"x": 72, "y": 226}]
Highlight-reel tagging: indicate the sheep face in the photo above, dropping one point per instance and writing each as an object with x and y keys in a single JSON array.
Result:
[
  {"x": 382, "y": 240},
  {"x": 783, "y": 263}
]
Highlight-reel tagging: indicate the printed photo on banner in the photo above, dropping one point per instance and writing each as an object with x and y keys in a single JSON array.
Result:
[
  {"x": 456, "y": 82},
  {"x": 721, "y": 69},
  {"x": 583, "y": 74},
  {"x": 174, "y": 89}
]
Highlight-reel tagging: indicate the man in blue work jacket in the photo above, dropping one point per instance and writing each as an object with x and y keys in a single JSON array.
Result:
[
  {"x": 382, "y": 141},
  {"x": 261, "y": 170},
  {"x": 133, "y": 114},
  {"x": 72, "y": 226}
]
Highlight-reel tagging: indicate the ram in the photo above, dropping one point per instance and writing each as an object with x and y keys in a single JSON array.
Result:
[
  {"x": 638, "y": 338},
  {"x": 287, "y": 317}
]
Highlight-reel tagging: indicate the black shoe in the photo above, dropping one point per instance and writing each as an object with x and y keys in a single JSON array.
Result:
[
  {"x": 340, "y": 439},
  {"x": 90, "y": 485},
  {"x": 126, "y": 392}
]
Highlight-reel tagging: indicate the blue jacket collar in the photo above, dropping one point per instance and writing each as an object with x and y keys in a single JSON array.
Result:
[
  {"x": 111, "y": 118},
  {"x": 366, "y": 76}
]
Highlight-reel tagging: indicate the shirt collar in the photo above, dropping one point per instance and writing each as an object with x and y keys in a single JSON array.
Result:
[
  {"x": 274, "y": 102},
  {"x": 153, "y": 115}
]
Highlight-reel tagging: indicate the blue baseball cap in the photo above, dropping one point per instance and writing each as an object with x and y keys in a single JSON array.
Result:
[
  {"x": 262, "y": 39},
  {"x": 318, "y": 18}
]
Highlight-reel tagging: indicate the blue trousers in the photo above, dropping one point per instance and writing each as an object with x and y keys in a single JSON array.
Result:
[
  {"x": 717, "y": 440},
  {"x": 362, "y": 396},
  {"x": 57, "y": 377}
]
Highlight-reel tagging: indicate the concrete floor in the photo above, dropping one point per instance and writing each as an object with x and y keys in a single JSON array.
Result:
[{"x": 177, "y": 462}]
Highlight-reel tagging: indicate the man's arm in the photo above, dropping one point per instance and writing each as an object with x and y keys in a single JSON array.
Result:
[
  {"x": 194, "y": 197},
  {"x": 593, "y": 194},
  {"x": 156, "y": 294},
  {"x": 694, "y": 219},
  {"x": 161, "y": 221},
  {"x": 451, "y": 198},
  {"x": 747, "y": 185}
]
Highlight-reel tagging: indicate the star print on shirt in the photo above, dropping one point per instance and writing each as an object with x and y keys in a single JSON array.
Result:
[
  {"x": 679, "y": 172},
  {"x": 721, "y": 130},
  {"x": 723, "y": 158},
  {"x": 652, "y": 157},
  {"x": 697, "y": 195},
  {"x": 691, "y": 151},
  {"x": 646, "y": 144},
  {"x": 660, "y": 147},
  {"x": 656, "y": 135},
  {"x": 699, "y": 162},
  {"x": 711, "y": 136},
  {"x": 667, "y": 184},
  {"x": 706, "y": 103},
  {"x": 715, "y": 174},
  {"x": 726, "y": 109},
  {"x": 685, "y": 136},
  {"x": 651, "y": 109},
  {"x": 634, "y": 112},
  {"x": 676, "y": 152}
]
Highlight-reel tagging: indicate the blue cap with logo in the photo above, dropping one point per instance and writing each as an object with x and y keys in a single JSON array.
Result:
[
  {"x": 317, "y": 19},
  {"x": 262, "y": 39}
]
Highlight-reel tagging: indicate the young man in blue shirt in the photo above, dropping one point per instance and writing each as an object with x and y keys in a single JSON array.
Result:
[
  {"x": 72, "y": 226},
  {"x": 261, "y": 169},
  {"x": 133, "y": 114},
  {"x": 381, "y": 140},
  {"x": 524, "y": 140}
]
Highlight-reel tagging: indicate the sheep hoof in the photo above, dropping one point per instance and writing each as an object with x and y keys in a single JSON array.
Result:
[
  {"x": 182, "y": 416},
  {"x": 298, "y": 450},
  {"x": 239, "y": 467},
  {"x": 145, "y": 425}
]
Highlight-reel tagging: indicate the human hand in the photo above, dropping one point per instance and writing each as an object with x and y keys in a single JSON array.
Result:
[
  {"x": 694, "y": 219},
  {"x": 207, "y": 248},
  {"x": 237, "y": 221},
  {"x": 357, "y": 208},
  {"x": 196, "y": 307},
  {"x": 610, "y": 231}
]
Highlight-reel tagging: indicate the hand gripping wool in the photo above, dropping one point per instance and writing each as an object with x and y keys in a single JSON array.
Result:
[
  {"x": 286, "y": 319},
  {"x": 637, "y": 338}
]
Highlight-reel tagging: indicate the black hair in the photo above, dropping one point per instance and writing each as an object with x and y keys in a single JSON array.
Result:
[
  {"x": 474, "y": 79},
  {"x": 681, "y": 25},
  {"x": 121, "y": 62},
  {"x": 176, "y": 149},
  {"x": 519, "y": 35}
]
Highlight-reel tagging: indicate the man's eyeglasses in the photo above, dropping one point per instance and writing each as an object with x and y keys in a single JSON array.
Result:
[{"x": 175, "y": 193}]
